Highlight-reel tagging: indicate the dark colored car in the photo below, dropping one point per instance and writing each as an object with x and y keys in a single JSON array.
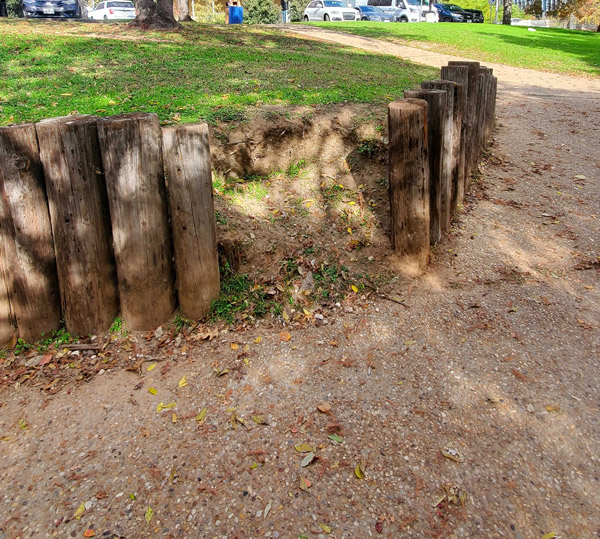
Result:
[
  {"x": 477, "y": 15},
  {"x": 68, "y": 9},
  {"x": 373, "y": 13},
  {"x": 452, "y": 13}
]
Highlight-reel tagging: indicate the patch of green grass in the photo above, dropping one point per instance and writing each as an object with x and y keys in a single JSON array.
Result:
[
  {"x": 295, "y": 169},
  {"x": 547, "y": 49},
  {"x": 117, "y": 328},
  {"x": 203, "y": 72},
  {"x": 241, "y": 299},
  {"x": 181, "y": 322},
  {"x": 57, "y": 338}
]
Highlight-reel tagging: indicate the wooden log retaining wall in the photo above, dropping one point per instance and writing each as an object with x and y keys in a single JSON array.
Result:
[
  {"x": 85, "y": 231},
  {"x": 454, "y": 133}
]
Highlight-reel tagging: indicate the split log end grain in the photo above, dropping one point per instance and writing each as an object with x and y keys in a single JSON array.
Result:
[
  {"x": 438, "y": 180},
  {"x": 189, "y": 179},
  {"x": 132, "y": 158},
  {"x": 28, "y": 248},
  {"x": 409, "y": 181},
  {"x": 79, "y": 215}
]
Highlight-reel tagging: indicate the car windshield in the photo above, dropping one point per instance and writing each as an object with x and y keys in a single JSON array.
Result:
[
  {"x": 334, "y": 3},
  {"x": 452, "y": 7},
  {"x": 121, "y": 4},
  {"x": 416, "y": 2},
  {"x": 368, "y": 8}
]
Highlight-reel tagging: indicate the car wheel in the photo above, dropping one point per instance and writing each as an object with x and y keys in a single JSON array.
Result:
[
  {"x": 305, "y": 18},
  {"x": 105, "y": 17},
  {"x": 403, "y": 19},
  {"x": 446, "y": 19},
  {"x": 326, "y": 17}
]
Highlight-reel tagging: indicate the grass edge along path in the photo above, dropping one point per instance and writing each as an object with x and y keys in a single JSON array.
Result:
[
  {"x": 554, "y": 50},
  {"x": 202, "y": 73}
]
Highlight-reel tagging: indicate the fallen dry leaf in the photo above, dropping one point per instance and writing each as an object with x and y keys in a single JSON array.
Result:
[
  {"x": 285, "y": 336},
  {"x": 324, "y": 407}
]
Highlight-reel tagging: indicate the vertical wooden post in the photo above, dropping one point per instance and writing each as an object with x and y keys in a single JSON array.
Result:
[
  {"x": 450, "y": 156},
  {"x": 186, "y": 154},
  {"x": 6, "y": 328},
  {"x": 409, "y": 181},
  {"x": 131, "y": 153},
  {"x": 472, "y": 154},
  {"x": 485, "y": 78},
  {"x": 80, "y": 222},
  {"x": 27, "y": 234},
  {"x": 460, "y": 75},
  {"x": 491, "y": 109},
  {"x": 436, "y": 113}
]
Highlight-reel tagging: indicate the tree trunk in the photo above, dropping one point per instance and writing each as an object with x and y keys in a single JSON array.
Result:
[
  {"x": 181, "y": 10},
  {"x": 507, "y": 13},
  {"x": 159, "y": 14}
]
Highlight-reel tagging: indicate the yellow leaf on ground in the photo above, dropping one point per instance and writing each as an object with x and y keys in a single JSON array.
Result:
[
  {"x": 359, "y": 471},
  {"x": 200, "y": 417},
  {"x": 325, "y": 527},
  {"x": 257, "y": 340},
  {"x": 174, "y": 418},
  {"x": 354, "y": 289},
  {"x": 149, "y": 514},
  {"x": 303, "y": 448},
  {"x": 150, "y": 367},
  {"x": 152, "y": 390},
  {"x": 285, "y": 336},
  {"x": 183, "y": 381},
  {"x": 80, "y": 511},
  {"x": 234, "y": 346}
]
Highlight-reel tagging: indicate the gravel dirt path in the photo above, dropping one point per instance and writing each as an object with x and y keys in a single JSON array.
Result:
[{"x": 471, "y": 408}]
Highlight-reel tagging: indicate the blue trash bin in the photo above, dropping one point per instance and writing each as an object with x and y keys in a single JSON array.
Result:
[{"x": 236, "y": 14}]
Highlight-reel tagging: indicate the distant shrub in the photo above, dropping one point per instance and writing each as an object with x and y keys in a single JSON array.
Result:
[
  {"x": 261, "y": 12},
  {"x": 297, "y": 9},
  {"x": 14, "y": 8}
]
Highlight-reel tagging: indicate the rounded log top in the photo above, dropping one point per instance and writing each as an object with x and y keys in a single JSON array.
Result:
[
  {"x": 129, "y": 116},
  {"x": 68, "y": 120},
  {"x": 199, "y": 128},
  {"x": 407, "y": 104},
  {"x": 16, "y": 127},
  {"x": 421, "y": 91}
]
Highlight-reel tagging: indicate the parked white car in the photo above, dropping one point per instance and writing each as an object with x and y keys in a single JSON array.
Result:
[
  {"x": 113, "y": 9},
  {"x": 329, "y": 10}
]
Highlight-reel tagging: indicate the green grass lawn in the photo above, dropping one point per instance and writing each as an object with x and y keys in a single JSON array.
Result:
[
  {"x": 546, "y": 49},
  {"x": 205, "y": 72}
]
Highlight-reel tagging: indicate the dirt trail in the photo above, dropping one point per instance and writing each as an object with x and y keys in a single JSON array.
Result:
[{"x": 492, "y": 358}]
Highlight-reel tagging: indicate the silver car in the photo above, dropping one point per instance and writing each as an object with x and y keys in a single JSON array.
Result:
[{"x": 329, "y": 10}]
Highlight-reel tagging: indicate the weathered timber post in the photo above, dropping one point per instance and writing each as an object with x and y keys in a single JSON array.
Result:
[
  {"x": 490, "y": 109},
  {"x": 80, "y": 220},
  {"x": 6, "y": 328},
  {"x": 449, "y": 155},
  {"x": 27, "y": 234},
  {"x": 409, "y": 180},
  {"x": 131, "y": 153},
  {"x": 485, "y": 79},
  {"x": 472, "y": 155},
  {"x": 436, "y": 114},
  {"x": 460, "y": 75},
  {"x": 189, "y": 179}
]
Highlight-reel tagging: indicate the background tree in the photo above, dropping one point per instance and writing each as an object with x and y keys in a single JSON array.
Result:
[
  {"x": 586, "y": 11},
  {"x": 507, "y": 11},
  {"x": 155, "y": 14}
]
